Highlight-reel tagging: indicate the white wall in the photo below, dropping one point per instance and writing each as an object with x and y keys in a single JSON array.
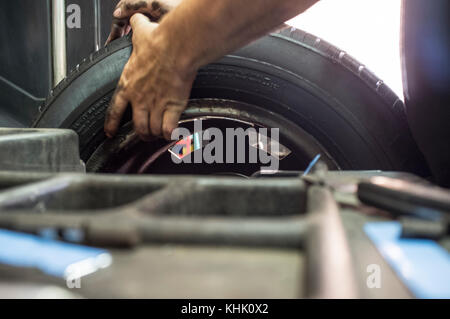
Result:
[{"x": 369, "y": 30}]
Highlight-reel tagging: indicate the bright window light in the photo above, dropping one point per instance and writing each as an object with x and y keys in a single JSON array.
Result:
[{"x": 369, "y": 30}]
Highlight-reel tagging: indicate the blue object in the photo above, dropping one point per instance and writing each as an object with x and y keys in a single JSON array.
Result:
[
  {"x": 311, "y": 165},
  {"x": 422, "y": 264},
  {"x": 50, "y": 256}
]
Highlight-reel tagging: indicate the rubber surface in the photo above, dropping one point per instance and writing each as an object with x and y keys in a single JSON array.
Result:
[{"x": 351, "y": 112}]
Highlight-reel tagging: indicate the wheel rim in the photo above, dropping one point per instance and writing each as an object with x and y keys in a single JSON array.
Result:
[{"x": 126, "y": 154}]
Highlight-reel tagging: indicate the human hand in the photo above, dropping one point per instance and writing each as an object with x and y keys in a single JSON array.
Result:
[
  {"x": 125, "y": 9},
  {"x": 156, "y": 82}
]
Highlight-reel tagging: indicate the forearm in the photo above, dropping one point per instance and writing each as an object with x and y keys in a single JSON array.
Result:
[
  {"x": 204, "y": 30},
  {"x": 157, "y": 79}
]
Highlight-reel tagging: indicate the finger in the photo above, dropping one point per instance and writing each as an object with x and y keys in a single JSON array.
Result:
[
  {"x": 128, "y": 30},
  {"x": 140, "y": 21},
  {"x": 125, "y": 9},
  {"x": 156, "y": 120},
  {"x": 115, "y": 112},
  {"x": 118, "y": 29},
  {"x": 141, "y": 121},
  {"x": 153, "y": 9},
  {"x": 170, "y": 120}
]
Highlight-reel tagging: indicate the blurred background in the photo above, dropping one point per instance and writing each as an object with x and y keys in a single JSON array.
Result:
[{"x": 369, "y": 30}]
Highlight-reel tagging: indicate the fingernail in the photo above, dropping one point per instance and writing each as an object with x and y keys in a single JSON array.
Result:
[
  {"x": 117, "y": 13},
  {"x": 108, "y": 133}
]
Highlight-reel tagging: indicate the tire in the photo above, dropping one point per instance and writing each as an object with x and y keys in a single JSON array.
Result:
[{"x": 354, "y": 116}]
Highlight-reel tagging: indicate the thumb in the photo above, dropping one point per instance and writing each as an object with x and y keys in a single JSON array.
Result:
[{"x": 139, "y": 20}]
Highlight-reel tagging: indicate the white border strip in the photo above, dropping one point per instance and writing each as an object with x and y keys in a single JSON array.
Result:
[{"x": 59, "y": 41}]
